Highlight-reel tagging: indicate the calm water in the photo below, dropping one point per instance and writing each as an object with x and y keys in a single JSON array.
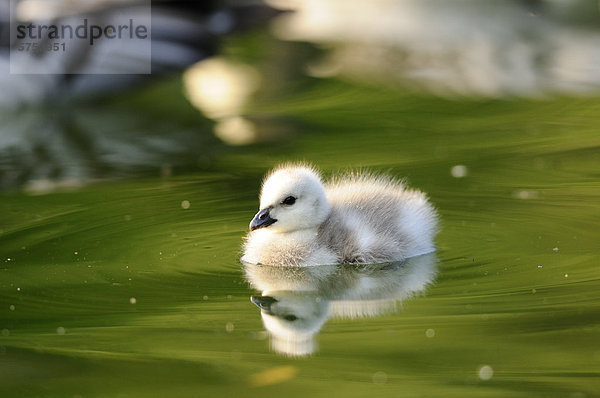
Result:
[{"x": 134, "y": 287}]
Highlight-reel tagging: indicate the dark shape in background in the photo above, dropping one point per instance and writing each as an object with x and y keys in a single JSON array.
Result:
[{"x": 69, "y": 128}]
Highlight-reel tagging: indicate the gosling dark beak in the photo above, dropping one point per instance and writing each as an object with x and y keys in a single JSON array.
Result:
[
  {"x": 261, "y": 219},
  {"x": 263, "y": 302}
]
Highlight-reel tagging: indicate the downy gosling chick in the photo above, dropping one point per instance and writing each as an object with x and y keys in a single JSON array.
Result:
[{"x": 357, "y": 218}]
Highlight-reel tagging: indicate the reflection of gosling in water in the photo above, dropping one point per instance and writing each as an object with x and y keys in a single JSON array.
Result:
[
  {"x": 293, "y": 319},
  {"x": 297, "y": 301},
  {"x": 358, "y": 218}
]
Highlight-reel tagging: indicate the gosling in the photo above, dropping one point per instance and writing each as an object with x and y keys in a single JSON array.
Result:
[{"x": 358, "y": 218}]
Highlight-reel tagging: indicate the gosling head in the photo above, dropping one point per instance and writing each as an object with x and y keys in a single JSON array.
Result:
[{"x": 291, "y": 199}]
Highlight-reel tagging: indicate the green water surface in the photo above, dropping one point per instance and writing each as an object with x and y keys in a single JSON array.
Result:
[{"x": 117, "y": 289}]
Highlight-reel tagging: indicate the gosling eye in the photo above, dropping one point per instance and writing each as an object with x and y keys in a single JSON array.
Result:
[
  {"x": 290, "y": 200},
  {"x": 290, "y": 318}
]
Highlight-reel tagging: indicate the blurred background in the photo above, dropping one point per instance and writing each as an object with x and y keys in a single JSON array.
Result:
[
  {"x": 124, "y": 197},
  {"x": 233, "y": 73}
]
